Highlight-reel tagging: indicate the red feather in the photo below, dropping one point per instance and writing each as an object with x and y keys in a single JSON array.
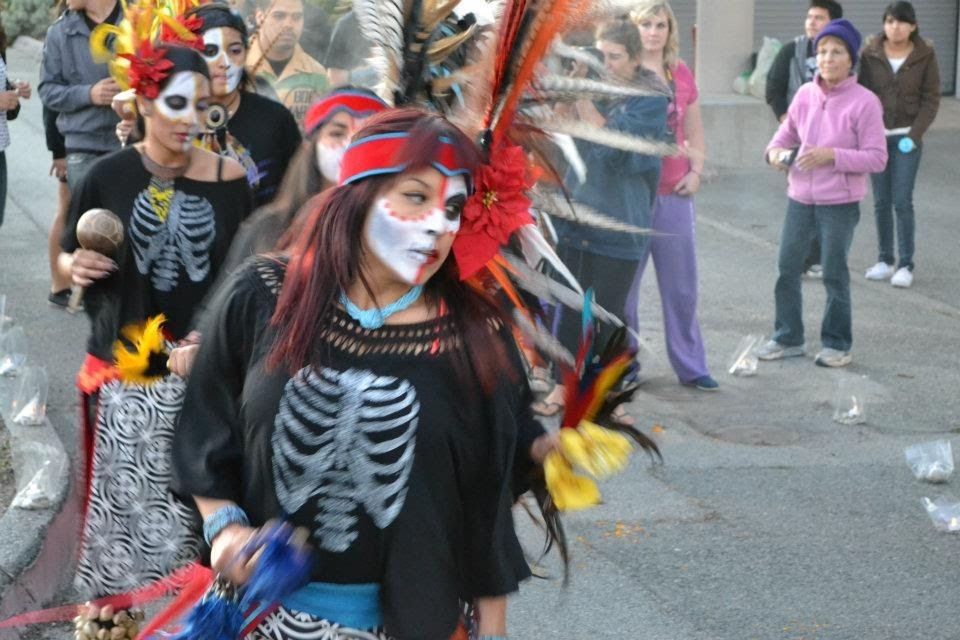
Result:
[{"x": 196, "y": 580}]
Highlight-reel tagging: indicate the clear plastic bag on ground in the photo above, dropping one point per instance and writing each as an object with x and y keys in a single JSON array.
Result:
[
  {"x": 848, "y": 402},
  {"x": 38, "y": 468},
  {"x": 944, "y": 511},
  {"x": 13, "y": 351},
  {"x": 744, "y": 360},
  {"x": 931, "y": 461},
  {"x": 29, "y": 404}
]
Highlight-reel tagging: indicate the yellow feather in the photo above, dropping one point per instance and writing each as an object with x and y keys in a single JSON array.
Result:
[
  {"x": 144, "y": 340},
  {"x": 99, "y": 50}
]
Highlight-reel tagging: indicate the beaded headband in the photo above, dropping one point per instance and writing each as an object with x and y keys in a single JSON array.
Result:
[{"x": 376, "y": 155}]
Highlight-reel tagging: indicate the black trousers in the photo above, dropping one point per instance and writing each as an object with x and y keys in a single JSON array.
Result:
[{"x": 610, "y": 279}]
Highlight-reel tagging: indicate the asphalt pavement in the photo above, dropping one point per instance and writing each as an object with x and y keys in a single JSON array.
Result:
[{"x": 767, "y": 519}]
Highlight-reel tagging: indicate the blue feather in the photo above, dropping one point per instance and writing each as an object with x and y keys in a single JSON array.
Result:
[
  {"x": 216, "y": 617},
  {"x": 283, "y": 567}
]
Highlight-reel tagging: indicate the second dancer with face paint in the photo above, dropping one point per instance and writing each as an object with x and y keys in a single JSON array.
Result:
[
  {"x": 180, "y": 206},
  {"x": 258, "y": 132}
]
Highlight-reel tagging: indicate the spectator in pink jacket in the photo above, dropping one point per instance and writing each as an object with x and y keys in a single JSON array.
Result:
[{"x": 832, "y": 138}]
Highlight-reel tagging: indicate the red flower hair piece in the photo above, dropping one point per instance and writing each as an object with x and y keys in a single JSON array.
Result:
[
  {"x": 148, "y": 68},
  {"x": 193, "y": 24},
  {"x": 498, "y": 207}
]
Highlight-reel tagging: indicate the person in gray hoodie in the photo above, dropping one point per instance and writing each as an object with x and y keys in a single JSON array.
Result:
[{"x": 79, "y": 89}]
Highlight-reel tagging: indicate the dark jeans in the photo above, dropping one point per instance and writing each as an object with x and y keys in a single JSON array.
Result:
[
  {"x": 78, "y": 164},
  {"x": 834, "y": 225},
  {"x": 893, "y": 189},
  {"x": 3, "y": 184},
  {"x": 610, "y": 279}
]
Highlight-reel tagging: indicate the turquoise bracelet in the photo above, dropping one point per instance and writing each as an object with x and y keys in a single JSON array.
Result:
[{"x": 221, "y": 519}]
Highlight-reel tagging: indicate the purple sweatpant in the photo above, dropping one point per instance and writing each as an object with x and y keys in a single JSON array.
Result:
[{"x": 674, "y": 257}]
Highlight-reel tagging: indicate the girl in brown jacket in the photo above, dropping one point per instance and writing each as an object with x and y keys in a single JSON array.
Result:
[{"x": 901, "y": 68}]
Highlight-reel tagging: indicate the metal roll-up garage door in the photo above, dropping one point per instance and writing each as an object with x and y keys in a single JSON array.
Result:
[{"x": 937, "y": 18}]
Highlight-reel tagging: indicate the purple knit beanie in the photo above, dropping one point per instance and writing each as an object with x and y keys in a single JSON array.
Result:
[{"x": 843, "y": 29}]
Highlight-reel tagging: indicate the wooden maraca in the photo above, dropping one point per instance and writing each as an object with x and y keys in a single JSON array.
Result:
[{"x": 98, "y": 230}]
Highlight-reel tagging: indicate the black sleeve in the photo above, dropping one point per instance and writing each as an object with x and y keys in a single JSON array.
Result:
[
  {"x": 778, "y": 80},
  {"x": 494, "y": 563},
  {"x": 207, "y": 449},
  {"x": 55, "y": 142}
]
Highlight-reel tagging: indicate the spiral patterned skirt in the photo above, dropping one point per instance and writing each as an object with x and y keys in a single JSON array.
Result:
[{"x": 135, "y": 530}]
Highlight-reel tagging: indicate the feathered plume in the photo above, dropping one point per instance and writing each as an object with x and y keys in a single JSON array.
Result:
[
  {"x": 141, "y": 355},
  {"x": 552, "y": 87},
  {"x": 606, "y": 137},
  {"x": 555, "y": 205}
]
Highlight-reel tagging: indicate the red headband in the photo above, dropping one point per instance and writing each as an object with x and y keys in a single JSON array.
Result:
[
  {"x": 377, "y": 155},
  {"x": 357, "y": 104}
]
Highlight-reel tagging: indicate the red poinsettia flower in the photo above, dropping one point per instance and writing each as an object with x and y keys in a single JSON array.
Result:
[
  {"x": 193, "y": 24},
  {"x": 148, "y": 68},
  {"x": 498, "y": 207}
]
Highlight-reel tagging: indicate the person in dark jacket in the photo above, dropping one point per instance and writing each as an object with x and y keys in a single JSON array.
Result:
[
  {"x": 794, "y": 66},
  {"x": 620, "y": 184},
  {"x": 78, "y": 89},
  {"x": 901, "y": 68}
]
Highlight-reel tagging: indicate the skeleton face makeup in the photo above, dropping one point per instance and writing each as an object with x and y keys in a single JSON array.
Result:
[
  {"x": 180, "y": 107},
  {"x": 410, "y": 229},
  {"x": 329, "y": 160},
  {"x": 224, "y": 52},
  {"x": 332, "y": 141}
]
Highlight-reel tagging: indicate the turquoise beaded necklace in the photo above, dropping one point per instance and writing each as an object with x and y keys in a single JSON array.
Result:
[{"x": 374, "y": 318}]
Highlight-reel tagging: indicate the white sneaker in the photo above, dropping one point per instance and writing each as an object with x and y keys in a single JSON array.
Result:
[
  {"x": 880, "y": 271},
  {"x": 903, "y": 278},
  {"x": 773, "y": 350},
  {"x": 814, "y": 271},
  {"x": 833, "y": 358}
]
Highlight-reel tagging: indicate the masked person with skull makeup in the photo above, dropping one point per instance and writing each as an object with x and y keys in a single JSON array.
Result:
[
  {"x": 315, "y": 168},
  {"x": 179, "y": 207},
  {"x": 256, "y": 131},
  {"x": 360, "y": 389}
]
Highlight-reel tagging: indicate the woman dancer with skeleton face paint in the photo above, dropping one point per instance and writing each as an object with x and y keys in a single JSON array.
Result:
[
  {"x": 179, "y": 206},
  {"x": 315, "y": 168},
  {"x": 384, "y": 404},
  {"x": 258, "y": 132}
]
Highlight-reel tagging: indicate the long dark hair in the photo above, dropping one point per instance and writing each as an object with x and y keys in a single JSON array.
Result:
[
  {"x": 327, "y": 258},
  {"x": 902, "y": 11}
]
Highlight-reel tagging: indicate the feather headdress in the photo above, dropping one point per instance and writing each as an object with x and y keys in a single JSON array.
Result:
[{"x": 133, "y": 51}]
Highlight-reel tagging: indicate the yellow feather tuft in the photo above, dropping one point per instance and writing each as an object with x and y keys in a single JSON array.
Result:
[{"x": 145, "y": 340}]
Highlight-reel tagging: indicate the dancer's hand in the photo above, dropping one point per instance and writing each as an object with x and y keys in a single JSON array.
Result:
[
  {"x": 543, "y": 445},
  {"x": 229, "y": 556},
  {"x": 89, "y": 266},
  {"x": 181, "y": 359}
]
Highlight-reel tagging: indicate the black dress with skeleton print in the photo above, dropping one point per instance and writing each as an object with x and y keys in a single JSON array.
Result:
[
  {"x": 176, "y": 235},
  {"x": 402, "y": 474}
]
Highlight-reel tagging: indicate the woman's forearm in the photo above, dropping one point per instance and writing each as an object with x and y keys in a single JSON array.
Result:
[
  {"x": 493, "y": 616},
  {"x": 696, "y": 140}
]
